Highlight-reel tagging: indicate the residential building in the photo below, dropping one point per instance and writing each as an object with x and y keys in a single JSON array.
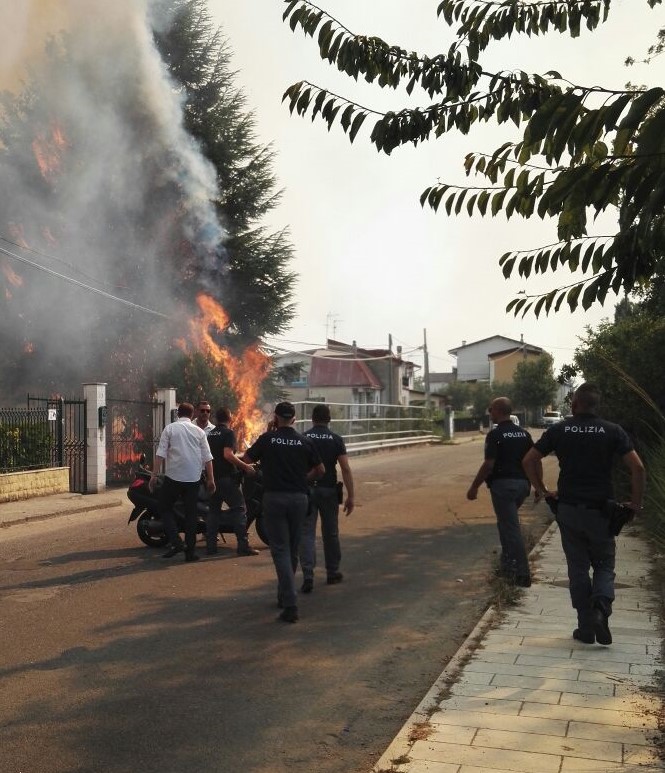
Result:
[
  {"x": 492, "y": 359},
  {"x": 346, "y": 373}
]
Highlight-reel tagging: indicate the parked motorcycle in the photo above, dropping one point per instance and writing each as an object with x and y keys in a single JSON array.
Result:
[{"x": 149, "y": 524}]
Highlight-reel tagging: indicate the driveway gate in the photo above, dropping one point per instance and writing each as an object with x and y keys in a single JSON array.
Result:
[
  {"x": 131, "y": 430},
  {"x": 66, "y": 423}
]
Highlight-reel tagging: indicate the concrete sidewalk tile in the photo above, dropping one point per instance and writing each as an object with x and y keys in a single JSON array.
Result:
[
  {"x": 452, "y": 733},
  {"x": 561, "y": 685},
  {"x": 579, "y": 765},
  {"x": 549, "y": 744},
  {"x": 488, "y": 721},
  {"x": 552, "y": 651},
  {"x": 638, "y": 736},
  {"x": 494, "y": 759},
  {"x": 476, "y": 677},
  {"x": 640, "y": 669},
  {"x": 483, "y": 656},
  {"x": 425, "y": 766},
  {"x": 580, "y": 665},
  {"x": 601, "y": 655},
  {"x": 507, "y": 693},
  {"x": 631, "y": 685},
  {"x": 640, "y": 755},
  {"x": 614, "y": 717},
  {"x": 521, "y": 669},
  {"x": 630, "y": 701},
  {"x": 496, "y": 705}
]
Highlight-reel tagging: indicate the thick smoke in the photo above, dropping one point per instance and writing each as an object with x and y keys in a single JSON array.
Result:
[{"x": 104, "y": 185}]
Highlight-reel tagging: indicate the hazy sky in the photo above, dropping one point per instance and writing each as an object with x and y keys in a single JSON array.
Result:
[{"x": 366, "y": 251}]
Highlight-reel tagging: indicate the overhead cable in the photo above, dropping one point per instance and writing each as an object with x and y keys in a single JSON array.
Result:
[{"x": 103, "y": 293}]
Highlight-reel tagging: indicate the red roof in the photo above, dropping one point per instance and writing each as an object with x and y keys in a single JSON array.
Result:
[{"x": 328, "y": 371}]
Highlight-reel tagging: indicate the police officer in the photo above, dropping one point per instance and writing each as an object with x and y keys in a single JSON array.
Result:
[
  {"x": 325, "y": 501},
  {"x": 586, "y": 448},
  {"x": 227, "y": 468},
  {"x": 502, "y": 470},
  {"x": 289, "y": 461}
]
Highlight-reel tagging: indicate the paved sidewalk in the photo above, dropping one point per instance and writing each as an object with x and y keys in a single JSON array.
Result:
[
  {"x": 523, "y": 695},
  {"x": 52, "y": 505}
]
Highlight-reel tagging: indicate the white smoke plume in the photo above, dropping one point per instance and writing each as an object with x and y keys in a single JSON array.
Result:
[{"x": 107, "y": 187}]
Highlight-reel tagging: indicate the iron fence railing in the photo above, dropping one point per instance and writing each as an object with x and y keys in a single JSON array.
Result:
[
  {"x": 365, "y": 426},
  {"x": 25, "y": 439}
]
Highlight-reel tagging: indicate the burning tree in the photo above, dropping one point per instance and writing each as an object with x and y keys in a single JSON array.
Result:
[{"x": 135, "y": 186}]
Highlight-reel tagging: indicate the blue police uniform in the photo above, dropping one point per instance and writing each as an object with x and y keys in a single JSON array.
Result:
[
  {"x": 286, "y": 457},
  {"x": 586, "y": 447},
  {"x": 509, "y": 486},
  {"x": 324, "y": 501}
]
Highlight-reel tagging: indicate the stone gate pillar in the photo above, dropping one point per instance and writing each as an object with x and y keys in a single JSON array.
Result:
[
  {"x": 95, "y": 437},
  {"x": 164, "y": 395}
]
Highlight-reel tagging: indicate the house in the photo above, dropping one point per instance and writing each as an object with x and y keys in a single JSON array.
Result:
[
  {"x": 346, "y": 373},
  {"x": 492, "y": 359}
]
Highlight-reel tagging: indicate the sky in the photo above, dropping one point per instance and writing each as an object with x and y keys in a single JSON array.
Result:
[{"x": 371, "y": 262}]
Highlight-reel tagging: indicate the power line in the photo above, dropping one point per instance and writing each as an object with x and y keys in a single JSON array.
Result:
[{"x": 103, "y": 293}]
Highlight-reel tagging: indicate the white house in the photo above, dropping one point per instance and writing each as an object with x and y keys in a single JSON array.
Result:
[{"x": 477, "y": 361}]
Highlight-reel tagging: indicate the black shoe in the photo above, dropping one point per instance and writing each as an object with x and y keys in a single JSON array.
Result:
[
  {"x": 173, "y": 551},
  {"x": 289, "y": 615},
  {"x": 247, "y": 551},
  {"x": 307, "y": 585},
  {"x": 191, "y": 557},
  {"x": 523, "y": 581},
  {"x": 601, "y": 627},
  {"x": 211, "y": 551},
  {"x": 585, "y": 635},
  {"x": 334, "y": 578}
]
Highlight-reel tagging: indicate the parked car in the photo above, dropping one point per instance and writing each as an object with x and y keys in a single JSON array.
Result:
[{"x": 551, "y": 417}]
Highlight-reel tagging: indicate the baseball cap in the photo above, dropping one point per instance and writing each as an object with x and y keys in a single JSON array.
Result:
[{"x": 285, "y": 410}]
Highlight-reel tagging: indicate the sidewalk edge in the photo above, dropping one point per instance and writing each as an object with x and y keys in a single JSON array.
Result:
[
  {"x": 68, "y": 511},
  {"x": 401, "y": 744}
]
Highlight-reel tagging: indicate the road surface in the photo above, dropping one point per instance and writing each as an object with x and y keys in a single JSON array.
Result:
[{"x": 114, "y": 659}]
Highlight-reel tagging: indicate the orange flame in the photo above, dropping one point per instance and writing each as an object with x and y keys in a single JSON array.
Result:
[
  {"x": 11, "y": 276},
  {"x": 28, "y": 347},
  {"x": 47, "y": 148},
  {"x": 245, "y": 374}
]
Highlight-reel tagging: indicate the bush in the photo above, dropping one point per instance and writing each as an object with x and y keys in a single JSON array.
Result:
[{"x": 24, "y": 447}]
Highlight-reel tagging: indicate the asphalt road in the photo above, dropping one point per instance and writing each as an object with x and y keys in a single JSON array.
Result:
[{"x": 113, "y": 659}]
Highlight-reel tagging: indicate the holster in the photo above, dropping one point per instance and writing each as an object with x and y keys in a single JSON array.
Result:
[{"x": 617, "y": 515}]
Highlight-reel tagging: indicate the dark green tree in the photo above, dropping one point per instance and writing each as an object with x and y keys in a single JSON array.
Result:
[
  {"x": 626, "y": 359},
  {"x": 255, "y": 284},
  {"x": 580, "y": 147},
  {"x": 534, "y": 385}
]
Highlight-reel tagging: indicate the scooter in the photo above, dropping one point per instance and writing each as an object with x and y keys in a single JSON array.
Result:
[{"x": 149, "y": 524}]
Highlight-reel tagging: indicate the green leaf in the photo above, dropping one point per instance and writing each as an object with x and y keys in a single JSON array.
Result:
[{"x": 355, "y": 126}]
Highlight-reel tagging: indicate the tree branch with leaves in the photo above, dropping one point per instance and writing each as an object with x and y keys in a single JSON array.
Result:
[{"x": 582, "y": 149}]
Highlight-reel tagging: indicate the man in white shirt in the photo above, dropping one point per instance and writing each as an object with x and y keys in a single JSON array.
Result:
[{"x": 183, "y": 451}]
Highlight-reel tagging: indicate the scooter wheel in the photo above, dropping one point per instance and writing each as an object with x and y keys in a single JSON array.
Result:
[{"x": 151, "y": 540}]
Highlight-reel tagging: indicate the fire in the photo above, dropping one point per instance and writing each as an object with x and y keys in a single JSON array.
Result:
[
  {"x": 245, "y": 374},
  {"x": 28, "y": 347},
  {"x": 47, "y": 148},
  {"x": 10, "y": 275}
]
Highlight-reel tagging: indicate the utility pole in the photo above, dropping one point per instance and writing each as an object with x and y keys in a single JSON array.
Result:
[
  {"x": 390, "y": 369},
  {"x": 426, "y": 364}
]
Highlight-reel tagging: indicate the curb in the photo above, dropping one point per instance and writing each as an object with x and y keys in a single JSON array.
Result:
[
  {"x": 68, "y": 511},
  {"x": 401, "y": 744}
]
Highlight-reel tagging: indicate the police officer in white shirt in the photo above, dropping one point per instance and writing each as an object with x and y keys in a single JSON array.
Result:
[{"x": 183, "y": 450}]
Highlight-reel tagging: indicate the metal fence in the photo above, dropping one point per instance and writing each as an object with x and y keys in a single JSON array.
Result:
[
  {"x": 366, "y": 426},
  {"x": 66, "y": 427},
  {"x": 25, "y": 439}
]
